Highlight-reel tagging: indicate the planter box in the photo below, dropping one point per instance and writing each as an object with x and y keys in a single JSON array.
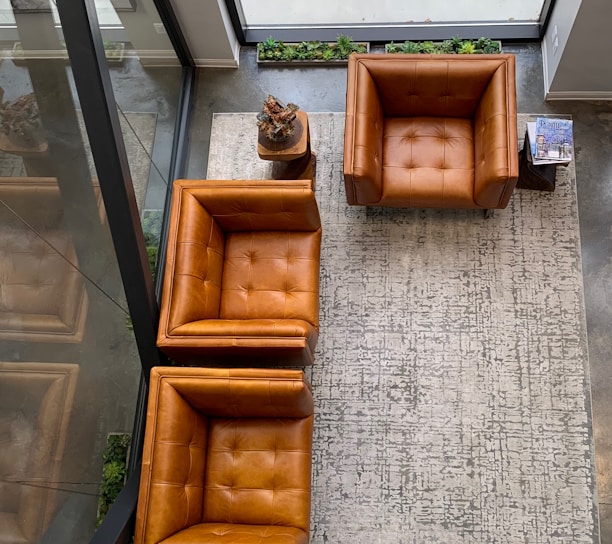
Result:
[
  {"x": 309, "y": 62},
  {"x": 437, "y": 45}
]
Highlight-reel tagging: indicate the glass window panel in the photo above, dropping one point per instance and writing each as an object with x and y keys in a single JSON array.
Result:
[
  {"x": 270, "y": 12},
  {"x": 69, "y": 366}
]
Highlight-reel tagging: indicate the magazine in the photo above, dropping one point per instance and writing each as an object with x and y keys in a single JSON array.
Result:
[{"x": 551, "y": 140}]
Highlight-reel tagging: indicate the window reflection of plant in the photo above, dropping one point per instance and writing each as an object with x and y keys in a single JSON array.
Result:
[
  {"x": 151, "y": 226},
  {"x": 113, "y": 472}
]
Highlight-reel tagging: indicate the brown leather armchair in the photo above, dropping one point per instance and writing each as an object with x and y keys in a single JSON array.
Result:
[
  {"x": 241, "y": 280},
  {"x": 227, "y": 457},
  {"x": 431, "y": 131}
]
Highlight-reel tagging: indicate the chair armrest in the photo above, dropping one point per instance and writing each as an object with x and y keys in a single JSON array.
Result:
[
  {"x": 173, "y": 465},
  {"x": 495, "y": 140},
  {"x": 247, "y": 205},
  {"x": 363, "y": 136}
]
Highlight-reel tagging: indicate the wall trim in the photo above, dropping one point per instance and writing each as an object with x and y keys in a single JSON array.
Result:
[
  {"x": 578, "y": 95},
  {"x": 545, "y": 67},
  {"x": 216, "y": 63},
  {"x": 157, "y": 57}
]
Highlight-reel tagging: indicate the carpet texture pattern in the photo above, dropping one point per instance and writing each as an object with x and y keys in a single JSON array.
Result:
[{"x": 451, "y": 377}]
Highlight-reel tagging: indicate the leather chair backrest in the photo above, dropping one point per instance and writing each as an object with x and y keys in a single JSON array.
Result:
[
  {"x": 238, "y": 208},
  {"x": 249, "y": 393},
  {"x": 425, "y": 86}
]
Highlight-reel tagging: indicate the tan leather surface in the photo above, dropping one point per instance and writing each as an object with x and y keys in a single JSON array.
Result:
[
  {"x": 452, "y": 122},
  {"x": 228, "y": 446},
  {"x": 253, "y": 472},
  {"x": 242, "y": 272},
  {"x": 271, "y": 275},
  {"x": 227, "y": 533},
  {"x": 428, "y": 162}
]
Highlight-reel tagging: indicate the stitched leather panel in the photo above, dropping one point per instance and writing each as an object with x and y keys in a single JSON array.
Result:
[
  {"x": 173, "y": 467},
  {"x": 224, "y": 533},
  {"x": 196, "y": 285},
  {"x": 431, "y": 85},
  {"x": 428, "y": 162},
  {"x": 277, "y": 492},
  {"x": 271, "y": 275},
  {"x": 495, "y": 141}
]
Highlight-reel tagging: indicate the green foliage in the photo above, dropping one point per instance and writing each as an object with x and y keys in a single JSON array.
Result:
[
  {"x": 455, "y": 45},
  {"x": 467, "y": 49},
  {"x": 151, "y": 226},
  {"x": 113, "y": 472},
  {"x": 270, "y": 49}
]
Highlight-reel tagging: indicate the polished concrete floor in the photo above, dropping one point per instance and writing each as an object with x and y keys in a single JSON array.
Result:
[{"x": 323, "y": 89}]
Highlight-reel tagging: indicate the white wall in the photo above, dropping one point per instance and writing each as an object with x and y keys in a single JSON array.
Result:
[
  {"x": 579, "y": 67},
  {"x": 208, "y": 31}
]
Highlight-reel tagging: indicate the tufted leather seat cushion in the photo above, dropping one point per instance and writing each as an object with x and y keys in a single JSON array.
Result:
[
  {"x": 227, "y": 457},
  {"x": 271, "y": 275},
  {"x": 431, "y": 131},
  {"x": 242, "y": 273}
]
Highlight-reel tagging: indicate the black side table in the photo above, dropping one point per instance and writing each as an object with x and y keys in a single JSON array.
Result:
[{"x": 538, "y": 177}]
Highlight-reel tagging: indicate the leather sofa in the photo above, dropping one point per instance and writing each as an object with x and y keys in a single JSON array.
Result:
[
  {"x": 431, "y": 131},
  {"x": 226, "y": 458},
  {"x": 241, "y": 281}
]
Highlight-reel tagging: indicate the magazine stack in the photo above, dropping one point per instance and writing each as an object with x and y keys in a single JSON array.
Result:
[{"x": 551, "y": 140}]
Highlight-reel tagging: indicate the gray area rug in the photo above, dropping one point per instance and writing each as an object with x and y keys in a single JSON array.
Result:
[
  {"x": 138, "y": 131},
  {"x": 451, "y": 377}
]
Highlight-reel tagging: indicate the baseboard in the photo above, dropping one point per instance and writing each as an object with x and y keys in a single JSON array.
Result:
[
  {"x": 578, "y": 95},
  {"x": 216, "y": 63},
  {"x": 568, "y": 95},
  {"x": 158, "y": 57}
]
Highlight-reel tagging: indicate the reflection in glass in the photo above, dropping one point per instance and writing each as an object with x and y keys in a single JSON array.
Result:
[
  {"x": 62, "y": 302},
  {"x": 36, "y": 403}
]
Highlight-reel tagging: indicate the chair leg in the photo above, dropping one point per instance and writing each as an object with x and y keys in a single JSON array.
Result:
[{"x": 488, "y": 213}]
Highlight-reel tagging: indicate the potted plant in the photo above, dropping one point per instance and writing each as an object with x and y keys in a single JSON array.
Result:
[
  {"x": 276, "y": 121},
  {"x": 455, "y": 45},
  {"x": 20, "y": 121},
  {"x": 271, "y": 51}
]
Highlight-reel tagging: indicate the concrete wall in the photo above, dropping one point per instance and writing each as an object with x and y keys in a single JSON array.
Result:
[
  {"x": 578, "y": 66},
  {"x": 208, "y": 31}
]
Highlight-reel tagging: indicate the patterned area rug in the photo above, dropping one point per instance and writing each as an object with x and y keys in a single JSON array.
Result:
[{"x": 451, "y": 377}]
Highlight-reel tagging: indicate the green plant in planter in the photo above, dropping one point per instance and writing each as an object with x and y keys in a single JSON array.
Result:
[
  {"x": 467, "y": 49},
  {"x": 455, "y": 45},
  {"x": 271, "y": 49}
]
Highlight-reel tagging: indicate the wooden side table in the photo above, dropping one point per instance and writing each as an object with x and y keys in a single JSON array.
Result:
[
  {"x": 293, "y": 158},
  {"x": 538, "y": 177}
]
